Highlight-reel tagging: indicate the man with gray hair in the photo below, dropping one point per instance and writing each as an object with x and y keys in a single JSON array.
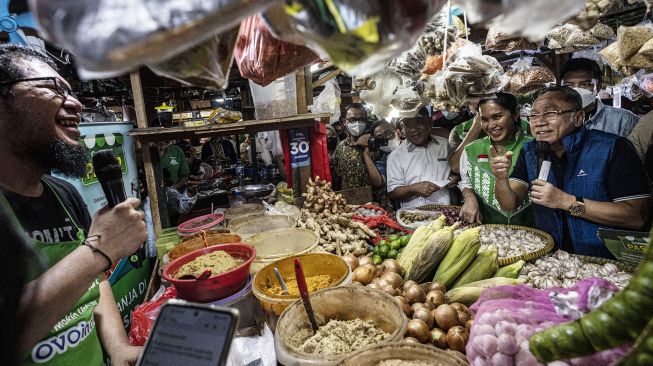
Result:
[{"x": 596, "y": 179}]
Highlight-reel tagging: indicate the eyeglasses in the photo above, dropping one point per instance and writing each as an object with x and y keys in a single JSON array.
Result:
[
  {"x": 548, "y": 116},
  {"x": 56, "y": 85}
]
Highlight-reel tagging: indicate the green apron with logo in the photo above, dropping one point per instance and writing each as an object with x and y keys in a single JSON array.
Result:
[
  {"x": 74, "y": 340},
  {"x": 483, "y": 181},
  {"x": 463, "y": 129}
]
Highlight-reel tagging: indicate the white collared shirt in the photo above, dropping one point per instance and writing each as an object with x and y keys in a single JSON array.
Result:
[{"x": 409, "y": 164}]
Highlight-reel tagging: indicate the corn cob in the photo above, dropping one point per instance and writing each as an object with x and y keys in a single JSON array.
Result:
[
  {"x": 408, "y": 256},
  {"x": 432, "y": 251},
  {"x": 483, "y": 266},
  {"x": 460, "y": 255},
  {"x": 510, "y": 271},
  {"x": 469, "y": 293}
]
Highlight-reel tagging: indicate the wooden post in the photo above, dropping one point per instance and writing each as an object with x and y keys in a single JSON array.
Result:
[
  {"x": 301, "y": 175},
  {"x": 141, "y": 121}
]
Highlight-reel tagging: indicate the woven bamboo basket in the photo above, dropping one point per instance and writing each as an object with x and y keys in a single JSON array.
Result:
[
  {"x": 528, "y": 256},
  {"x": 405, "y": 352}
]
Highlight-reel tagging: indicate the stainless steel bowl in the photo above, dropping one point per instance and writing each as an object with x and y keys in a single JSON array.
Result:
[{"x": 253, "y": 190}]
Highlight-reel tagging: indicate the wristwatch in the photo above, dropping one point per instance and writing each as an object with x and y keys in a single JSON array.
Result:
[{"x": 577, "y": 208}]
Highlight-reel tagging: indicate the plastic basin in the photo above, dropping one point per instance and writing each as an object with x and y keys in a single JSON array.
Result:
[
  {"x": 314, "y": 264},
  {"x": 265, "y": 223},
  {"x": 342, "y": 303},
  {"x": 199, "y": 224},
  {"x": 273, "y": 245},
  {"x": 201, "y": 240},
  {"x": 241, "y": 210},
  {"x": 215, "y": 287}
]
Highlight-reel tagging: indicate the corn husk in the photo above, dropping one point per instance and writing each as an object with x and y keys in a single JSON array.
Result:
[
  {"x": 422, "y": 255},
  {"x": 469, "y": 293},
  {"x": 461, "y": 254},
  {"x": 483, "y": 267},
  {"x": 510, "y": 271}
]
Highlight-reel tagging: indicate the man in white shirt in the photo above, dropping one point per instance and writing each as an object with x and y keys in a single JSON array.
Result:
[{"x": 418, "y": 170}]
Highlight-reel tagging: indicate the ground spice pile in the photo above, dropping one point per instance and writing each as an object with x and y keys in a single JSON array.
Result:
[{"x": 338, "y": 337}]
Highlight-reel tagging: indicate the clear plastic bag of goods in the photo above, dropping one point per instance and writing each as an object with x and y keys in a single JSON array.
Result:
[
  {"x": 328, "y": 101},
  {"x": 407, "y": 101},
  {"x": 276, "y": 100},
  {"x": 589, "y": 16},
  {"x": 507, "y": 316},
  {"x": 381, "y": 92},
  {"x": 498, "y": 41},
  {"x": 530, "y": 19},
  {"x": 631, "y": 39},
  {"x": 610, "y": 55},
  {"x": 472, "y": 75},
  {"x": 410, "y": 63},
  {"x": 206, "y": 65},
  {"x": 359, "y": 36},
  {"x": 645, "y": 82},
  {"x": 263, "y": 58},
  {"x": 525, "y": 78},
  {"x": 114, "y": 36}
]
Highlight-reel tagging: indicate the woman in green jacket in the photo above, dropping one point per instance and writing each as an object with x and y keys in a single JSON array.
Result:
[{"x": 500, "y": 121}]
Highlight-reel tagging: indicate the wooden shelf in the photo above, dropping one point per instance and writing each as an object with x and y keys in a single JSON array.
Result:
[{"x": 251, "y": 126}]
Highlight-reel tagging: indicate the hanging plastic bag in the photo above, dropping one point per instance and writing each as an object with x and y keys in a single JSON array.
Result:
[
  {"x": 381, "y": 90},
  {"x": 530, "y": 19},
  {"x": 328, "y": 101},
  {"x": 117, "y": 35},
  {"x": 262, "y": 58},
  {"x": 525, "y": 78},
  {"x": 591, "y": 13},
  {"x": 359, "y": 36},
  {"x": 206, "y": 65}
]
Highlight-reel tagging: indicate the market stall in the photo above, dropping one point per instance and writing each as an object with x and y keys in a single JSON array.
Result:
[{"x": 322, "y": 277}]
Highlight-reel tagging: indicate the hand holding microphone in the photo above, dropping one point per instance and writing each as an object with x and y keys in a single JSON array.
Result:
[{"x": 124, "y": 225}]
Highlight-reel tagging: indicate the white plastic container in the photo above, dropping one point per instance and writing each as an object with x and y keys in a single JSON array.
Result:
[{"x": 276, "y": 100}]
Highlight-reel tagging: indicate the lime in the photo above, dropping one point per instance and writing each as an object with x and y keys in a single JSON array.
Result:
[
  {"x": 404, "y": 240},
  {"x": 376, "y": 259},
  {"x": 383, "y": 250},
  {"x": 375, "y": 250},
  {"x": 393, "y": 237},
  {"x": 395, "y": 244},
  {"x": 393, "y": 253}
]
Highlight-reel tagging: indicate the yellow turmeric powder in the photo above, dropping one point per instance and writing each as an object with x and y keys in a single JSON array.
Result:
[{"x": 313, "y": 283}]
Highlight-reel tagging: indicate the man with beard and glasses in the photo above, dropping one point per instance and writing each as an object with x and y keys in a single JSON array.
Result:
[{"x": 70, "y": 312}]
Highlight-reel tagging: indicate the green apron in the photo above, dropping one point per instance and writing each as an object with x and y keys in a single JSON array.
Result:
[
  {"x": 74, "y": 340},
  {"x": 463, "y": 129},
  {"x": 483, "y": 181}
]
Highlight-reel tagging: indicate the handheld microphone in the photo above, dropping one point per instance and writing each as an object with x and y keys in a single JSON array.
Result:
[
  {"x": 108, "y": 172},
  {"x": 542, "y": 150}
]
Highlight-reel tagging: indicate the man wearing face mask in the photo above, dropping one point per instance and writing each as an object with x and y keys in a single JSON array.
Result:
[
  {"x": 584, "y": 76},
  {"x": 353, "y": 160}
]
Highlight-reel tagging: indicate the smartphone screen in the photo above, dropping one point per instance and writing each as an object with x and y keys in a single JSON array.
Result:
[{"x": 190, "y": 335}]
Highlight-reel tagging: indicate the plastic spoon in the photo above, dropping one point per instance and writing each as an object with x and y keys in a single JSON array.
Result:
[
  {"x": 303, "y": 292},
  {"x": 282, "y": 283}
]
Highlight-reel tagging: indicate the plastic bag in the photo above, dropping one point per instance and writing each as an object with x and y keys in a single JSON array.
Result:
[
  {"x": 507, "y": 316},
  {"x": 590, "y": 15},
  {"x": 631, "y": 39},
  {"x": 525, "y": 78},
  {"x": 144, "y": 315},
  {"x": 530, "y": 19},
  {"x": 645, "y": 83},
  {"x": 328, "y": 101},
  {"x": 498, "y": 41},
  {"x": 570, "y": 38},
  {"x": 472, "y": 75},
  {"x": 117, "y": 35},
  {"x": 359, "y": 36},
  {"x": 206, "y": 65},
  {"x": 257, "y": 351},
  {"x": 262, "y": 58}
]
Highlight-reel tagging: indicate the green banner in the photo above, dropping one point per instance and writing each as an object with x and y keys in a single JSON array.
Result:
[
  {"x": 129, "y": 287},
  {"x": 627, "y": 246},
  {"x": 95, "y": 143}
]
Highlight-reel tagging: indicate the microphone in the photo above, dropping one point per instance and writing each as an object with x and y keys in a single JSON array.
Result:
[
  {"x": 108, "y": 172},
  {"x": 542, "y": 149}
]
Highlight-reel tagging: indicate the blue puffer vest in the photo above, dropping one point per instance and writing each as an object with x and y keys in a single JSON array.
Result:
[{"x": 588, "y": 155}]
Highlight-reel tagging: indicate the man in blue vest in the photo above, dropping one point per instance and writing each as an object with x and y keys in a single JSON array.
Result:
[{"x": 596, "y": 179}]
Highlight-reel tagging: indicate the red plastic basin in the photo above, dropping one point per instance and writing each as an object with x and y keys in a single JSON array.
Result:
[{"x": 215, "y": 287}]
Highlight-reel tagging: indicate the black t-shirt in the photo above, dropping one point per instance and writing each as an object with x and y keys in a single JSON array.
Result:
[
  {"x": 625, "y": 178},
  {"x": 44, "y": 219}
]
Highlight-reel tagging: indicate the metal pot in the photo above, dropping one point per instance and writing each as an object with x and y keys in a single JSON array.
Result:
[{"x": 253, "y": 191}]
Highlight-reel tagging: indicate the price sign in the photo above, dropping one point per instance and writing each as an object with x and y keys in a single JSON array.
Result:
[
  {"x": 627, "y": 246},
  {"x": 299, "y": 148}
]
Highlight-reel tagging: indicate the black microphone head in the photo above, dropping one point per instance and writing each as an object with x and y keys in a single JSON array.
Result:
[
  {"x": 542, "y": 148},
  {"x": 106, "y": 165}
]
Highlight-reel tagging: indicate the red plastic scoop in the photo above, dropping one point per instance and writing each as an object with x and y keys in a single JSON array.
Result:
[{"x": 303, "y": 292}]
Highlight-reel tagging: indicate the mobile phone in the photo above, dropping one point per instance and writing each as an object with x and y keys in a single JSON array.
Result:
[
  {"x": 188, "y": 333},
  {"x": 195, "y": 168}
]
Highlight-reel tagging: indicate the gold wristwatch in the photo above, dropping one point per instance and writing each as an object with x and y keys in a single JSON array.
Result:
[{"x": 577, "y": 208}]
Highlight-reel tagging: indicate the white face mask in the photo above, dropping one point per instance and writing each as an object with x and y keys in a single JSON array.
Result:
[
  {"x": 392, "y": 144},
  {"x": 356, "y": 128},
  {"x": 588, "y": 96}
]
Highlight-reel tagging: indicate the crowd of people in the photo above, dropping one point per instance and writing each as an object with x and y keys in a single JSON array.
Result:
[{"x": 600, "y": 157}]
